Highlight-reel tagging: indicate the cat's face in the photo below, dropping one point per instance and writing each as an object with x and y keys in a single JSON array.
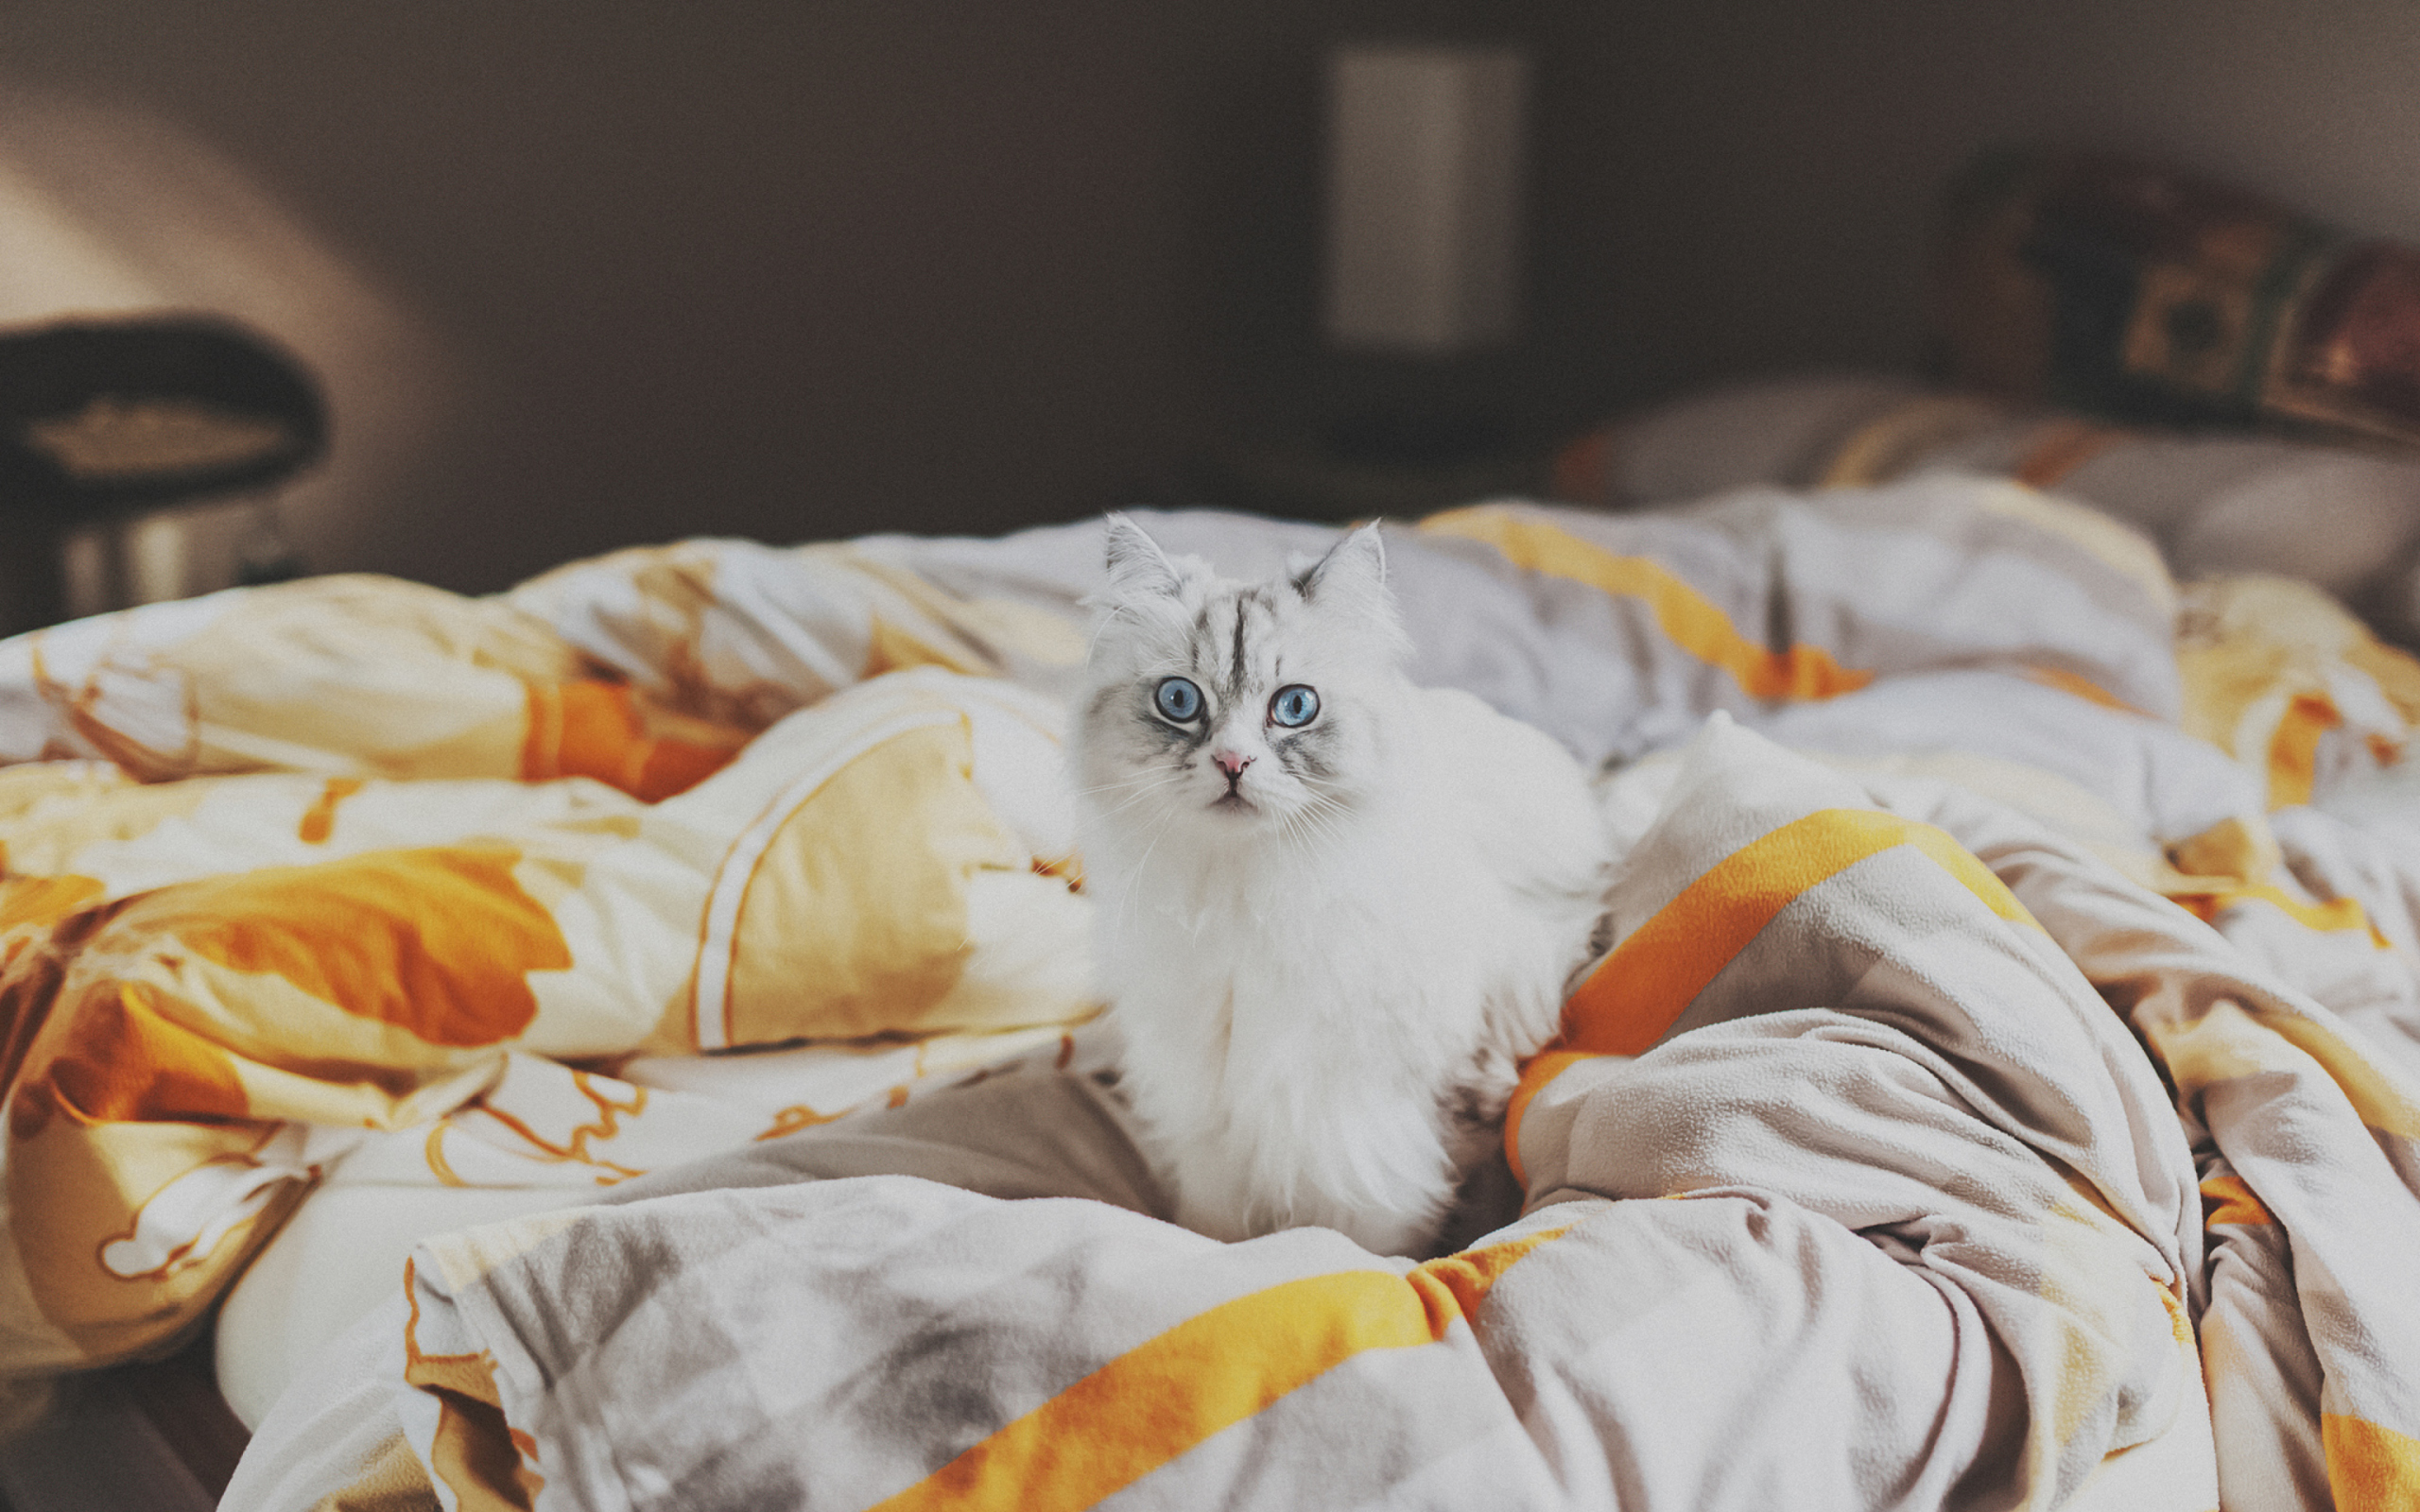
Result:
[{"x": 1237, "y": 707}]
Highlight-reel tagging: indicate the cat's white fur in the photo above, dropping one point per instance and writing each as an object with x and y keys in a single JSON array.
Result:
[{"x": 1322, "y": 977}]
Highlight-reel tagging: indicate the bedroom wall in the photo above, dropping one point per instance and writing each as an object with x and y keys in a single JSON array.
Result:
[
  {"x": 602, "y": 274},
  {"x": 1744, "y": 186},
  {"x": 1737, "y": 188},
  {"x": 784, "y": 271}
]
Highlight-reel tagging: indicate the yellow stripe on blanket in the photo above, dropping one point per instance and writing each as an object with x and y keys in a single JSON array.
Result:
[
  {"x": 1640, "y": 990},
  {"x": 2077, "y": 685},
  {"x": 2338, "y": 916},
  {"x": 596, "y": 729},
  {"x": 2293, "y": 749},
  {"x": 1152, "y": 1403},
  {"x": 2227, "y": 1200},
  {"x": 44, "y": 900},
  {"x": 475, "y": 1451},
  {"x": 2370, "y": 1468},
  {"x": 1685, "y": 615},
  {"x": 2228, "y": 1040}
]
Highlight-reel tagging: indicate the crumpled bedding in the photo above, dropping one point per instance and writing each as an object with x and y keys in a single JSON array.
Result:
[
  {"x": 1932, "y": 1232},
  {"x": 2018, "y": 1176}
]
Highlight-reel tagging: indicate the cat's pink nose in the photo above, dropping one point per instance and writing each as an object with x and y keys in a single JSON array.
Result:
[{"x": 1232, "y": 762}]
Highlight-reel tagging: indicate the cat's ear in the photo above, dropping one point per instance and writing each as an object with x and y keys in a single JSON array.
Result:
[
  {"x": 1351, "y": 574},
  {"x": 1137, "y": 567}
]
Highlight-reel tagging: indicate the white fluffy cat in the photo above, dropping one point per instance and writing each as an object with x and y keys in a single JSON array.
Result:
[{"x": 1334, "y": 907}]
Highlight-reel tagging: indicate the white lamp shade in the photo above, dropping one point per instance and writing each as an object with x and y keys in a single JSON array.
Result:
[{"x": 1424, "y": 197}]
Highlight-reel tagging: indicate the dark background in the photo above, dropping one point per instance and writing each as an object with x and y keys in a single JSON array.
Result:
[{"x": 587, "y": 274}]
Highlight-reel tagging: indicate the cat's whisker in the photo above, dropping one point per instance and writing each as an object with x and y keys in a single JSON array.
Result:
[
  {"x": 1134, "y": 885},
  {"x": 1326, "y": 815},
  {"x": 1327, "y": 807},
  {"x": 1302, "y": 832},
  {"x": 1322, "y": 817},
  {"x": 1141, "y": 793},
  {"x": 1150, "y": 778},
  {"x": 1142, "y": 787},
  {"x": 1146, "y": 790},
  {"x": 1292, "y": 834}
]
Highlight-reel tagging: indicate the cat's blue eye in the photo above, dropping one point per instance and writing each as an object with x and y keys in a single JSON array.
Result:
[
  {"x": 1178, "y": 700},
  {"x": 1293, "y": 706}
]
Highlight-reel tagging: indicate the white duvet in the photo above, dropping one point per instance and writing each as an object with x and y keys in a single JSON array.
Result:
[{"x": 1910, "y": 1147}]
